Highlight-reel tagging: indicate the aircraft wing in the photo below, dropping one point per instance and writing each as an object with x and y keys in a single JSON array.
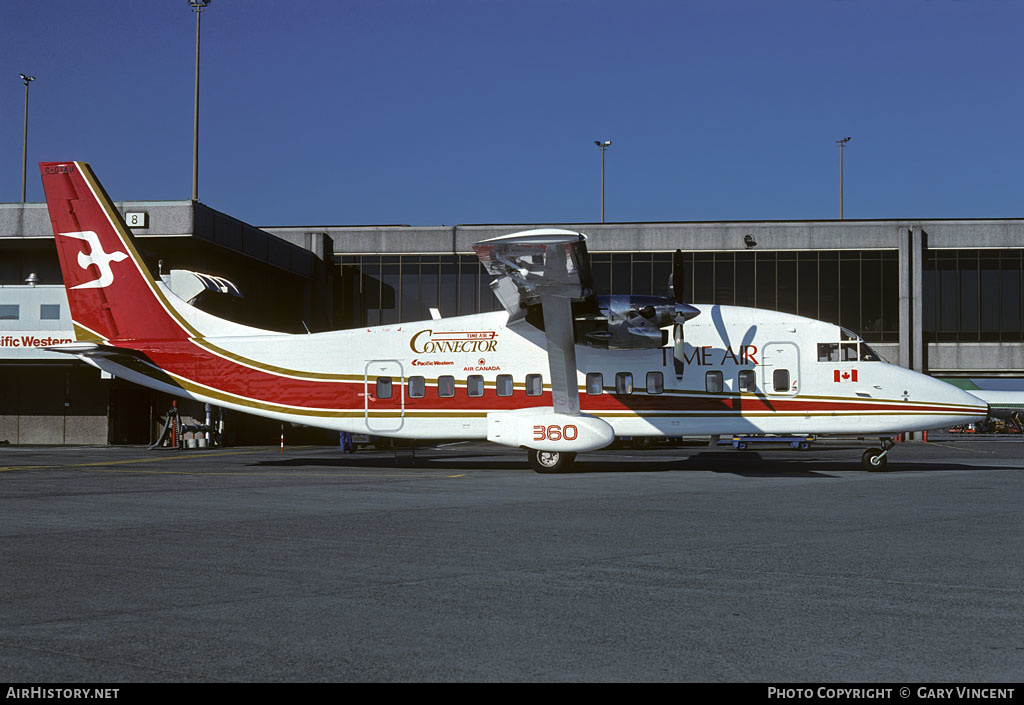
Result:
[{"x": 552, "y": 268}]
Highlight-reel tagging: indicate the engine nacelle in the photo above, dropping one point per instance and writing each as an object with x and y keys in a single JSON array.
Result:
[
  {"x": 542, "y": 429},
  {"x": 633, "y": 322}
]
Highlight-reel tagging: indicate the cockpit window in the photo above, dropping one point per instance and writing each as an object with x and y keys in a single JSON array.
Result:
[
  {"x": 847, "y": 352},
  {"x": 847, "y": 335},
  {"x": 867, "y": 354}
]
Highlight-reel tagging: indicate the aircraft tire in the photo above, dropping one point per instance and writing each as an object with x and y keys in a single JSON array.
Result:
[
  {"x": 873, "y": 460},
  {"x": 549, "y": 462}
]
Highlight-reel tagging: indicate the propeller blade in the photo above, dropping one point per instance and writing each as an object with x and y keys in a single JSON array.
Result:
[{"x": 677, "y": 281}]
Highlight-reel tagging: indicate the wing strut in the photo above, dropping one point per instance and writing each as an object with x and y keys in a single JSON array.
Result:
[{"x": 565, "y": 392}]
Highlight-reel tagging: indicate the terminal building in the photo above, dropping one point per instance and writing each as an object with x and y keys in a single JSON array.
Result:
[{"x": 945, "y": 297}]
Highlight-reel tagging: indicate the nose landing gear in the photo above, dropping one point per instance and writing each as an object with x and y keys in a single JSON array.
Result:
[{"x": 874, "y": 459}]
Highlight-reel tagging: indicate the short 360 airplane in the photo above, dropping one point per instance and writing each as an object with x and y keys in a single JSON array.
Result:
[{"x": 648, "y": 366}]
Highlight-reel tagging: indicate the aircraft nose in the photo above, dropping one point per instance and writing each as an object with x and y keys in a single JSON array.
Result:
[{"x": 977, "y": 403}]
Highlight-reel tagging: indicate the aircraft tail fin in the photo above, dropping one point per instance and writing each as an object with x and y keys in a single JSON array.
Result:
[{"x": 111, "y": 292}]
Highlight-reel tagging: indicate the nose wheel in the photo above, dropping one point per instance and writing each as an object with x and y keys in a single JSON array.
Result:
[
  {"x": 875, "y": 459},
  {"x": 549, "y": 461}
]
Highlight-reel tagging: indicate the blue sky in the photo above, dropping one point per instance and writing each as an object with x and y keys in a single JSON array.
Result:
[{"x": 432, "y": 112}]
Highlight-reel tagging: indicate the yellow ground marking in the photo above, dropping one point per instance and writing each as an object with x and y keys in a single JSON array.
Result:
[
  {"x": 128, "y": 461},
  {"x": 98, "y": 466},
  {"x": 968, "y": 450}
]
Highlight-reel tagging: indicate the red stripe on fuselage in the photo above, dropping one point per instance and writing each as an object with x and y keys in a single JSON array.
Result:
[{"x": 191, "y": 361}]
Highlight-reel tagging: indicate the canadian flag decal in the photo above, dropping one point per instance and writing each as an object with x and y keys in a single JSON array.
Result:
[{"x": 845, "y": 375}]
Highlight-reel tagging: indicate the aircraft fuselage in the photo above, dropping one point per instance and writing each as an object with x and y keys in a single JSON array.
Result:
[{"x": 737, "y": 371}]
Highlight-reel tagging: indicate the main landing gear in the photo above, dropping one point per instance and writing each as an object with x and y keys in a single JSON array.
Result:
[
  {"x": 874, "y": 459},
  {"x": 549, "y": 461}
]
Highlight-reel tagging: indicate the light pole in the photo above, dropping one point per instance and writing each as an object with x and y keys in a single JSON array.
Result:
[
  {"x": 842, "y": 146},
  {"x": 197, "y": 7},
  {"x": 24, "y": 142},
  {"x": 603, "y": 146}
]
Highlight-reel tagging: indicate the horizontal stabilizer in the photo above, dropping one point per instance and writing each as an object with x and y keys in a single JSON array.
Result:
[{"x": 88, "y": 350}]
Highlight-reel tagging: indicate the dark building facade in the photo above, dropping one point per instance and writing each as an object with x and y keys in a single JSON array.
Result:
[{"x": 944, "y": 297}]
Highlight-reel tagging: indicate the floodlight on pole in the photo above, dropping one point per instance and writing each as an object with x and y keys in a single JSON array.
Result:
[
  {"x": 24, "y": 142},
  {"x": 602, "y": 145},
  {"x": 197, "y": 7},
  {"x": 842, "y": 146}
]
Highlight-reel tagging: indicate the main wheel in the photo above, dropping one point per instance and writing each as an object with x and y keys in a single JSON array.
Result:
[
  {"x": 549, "y": 461},
  {"x": 873, "y": 460}
]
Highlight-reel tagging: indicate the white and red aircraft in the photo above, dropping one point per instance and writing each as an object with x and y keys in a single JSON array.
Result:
[{"x": 559, "y": 371}]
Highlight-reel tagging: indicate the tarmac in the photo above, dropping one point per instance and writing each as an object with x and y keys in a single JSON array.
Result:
[{"x": 123, "y": 565}]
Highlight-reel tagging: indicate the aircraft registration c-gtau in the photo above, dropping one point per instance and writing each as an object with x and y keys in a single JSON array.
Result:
[{"x": 558, "y": 371}]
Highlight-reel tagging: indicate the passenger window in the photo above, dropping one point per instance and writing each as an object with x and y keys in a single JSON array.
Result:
[
  {"x": 747, "y": 381},
  {"x": 534, "y": 385},
  {"x": 475, "y": 385},
  {"x": 503, "y": 385},
  {"x": 655, "y": 383},
  {"x": 417, "y": 387},
  {"x": 714, "y": 381},
  {"x": 849, "y": 352},
  {"x": 595, "y": 383},
  {"x": 383, "y": 387},
  {"x": 446, "y": 386},
  {"x": 780, "y": 380},
  {"x": 623, "y": 382},
  {"x": 828, "y": 352}
]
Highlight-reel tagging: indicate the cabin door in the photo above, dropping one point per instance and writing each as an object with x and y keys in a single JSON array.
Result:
[
  {"x": 384, "y": 396},
  {"x": 780, "y": 369}
]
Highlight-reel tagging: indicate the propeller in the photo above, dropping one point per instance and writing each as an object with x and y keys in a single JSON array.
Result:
[
  {"x": 677, "y": 280},
  {"x": 683, "y": 310}
]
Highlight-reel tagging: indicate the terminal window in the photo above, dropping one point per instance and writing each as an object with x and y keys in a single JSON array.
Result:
[
  {"x": 857, "y": 289},
  {"x": 973, "y": 296}
]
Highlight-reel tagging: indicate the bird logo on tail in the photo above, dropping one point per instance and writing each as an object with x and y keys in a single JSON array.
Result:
[{"x": 96, "y": 257}]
